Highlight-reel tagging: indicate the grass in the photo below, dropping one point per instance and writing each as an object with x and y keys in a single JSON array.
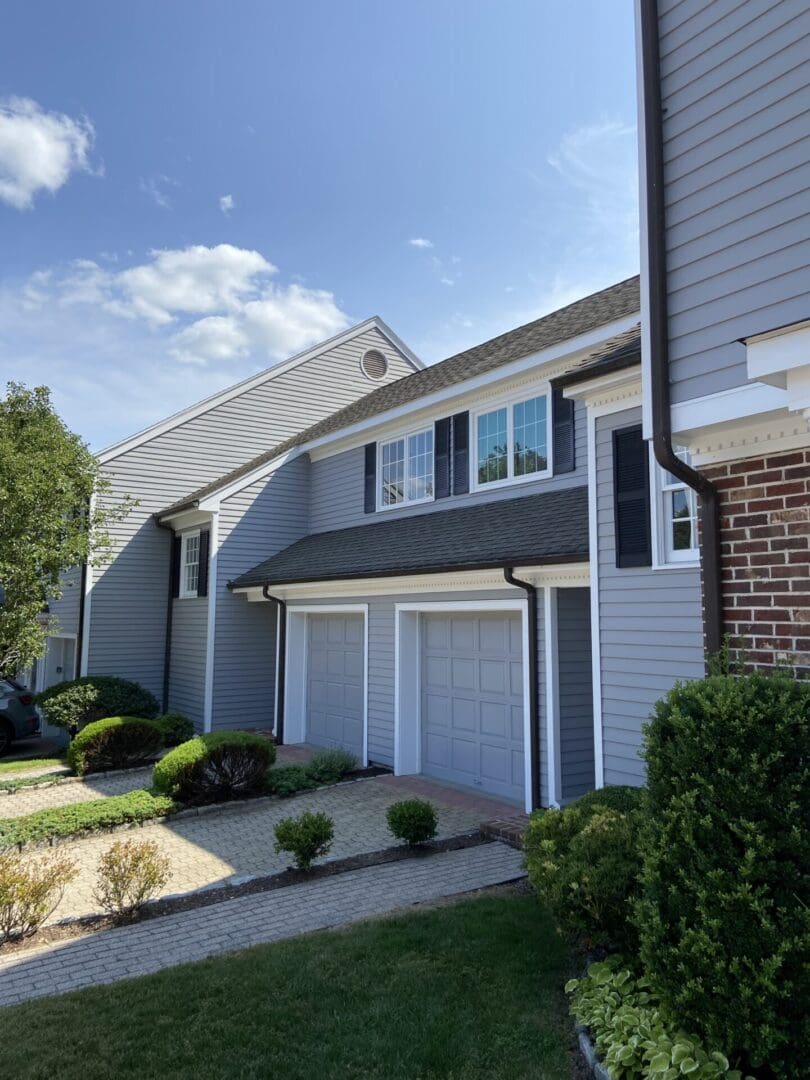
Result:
[
  {"x": 30, "y": 763},
  {"x": 470, "y": 991},
  {"x": 78, "y": 818}
]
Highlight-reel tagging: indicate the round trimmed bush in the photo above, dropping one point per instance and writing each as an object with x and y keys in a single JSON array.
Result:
[
  {"x": 72, "y": 705},
  {"x": 116, "y": 742},
  {"x": 412, "y": 820},
  {"x": 724, "y": 918},
  {"x": 215, "y": 767},
  {"x": 174, "y": 728},
  {"x": 306, "y": 837}
]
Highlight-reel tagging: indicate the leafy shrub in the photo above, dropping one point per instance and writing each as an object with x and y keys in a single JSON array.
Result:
[
  {"x": 412, "y": 820},
  {"x": 215, "y": 767},
  {"x": 30, "y": 891},
  {"x": 117, "y": 742},
  {"x": 72, "y": 820},
  {"x": 329, "y": 766},
  {"x": 73, "y": 704},
  {"x": 130, "y": 873},
  {"x": 286, "y": 780},
  {"x": 174, "y": 728},
  {"x": 724, "y": 918},
  {"x": 620, "y": 797},
  {"x": 584, "y": 862},
  {"x": 306, "y": 837},
  {"x": 629, "y": 1032}
]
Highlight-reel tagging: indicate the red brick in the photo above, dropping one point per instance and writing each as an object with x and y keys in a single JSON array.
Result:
[
  {"x": 767, "y": 559},
  {"x": 755, "y": 465},
  {"x": 748, "y": 521},
  {"x": 799, "y": 556},
  {"x": 798, "y": 501},
  {"x": 801, "y": 513},
  {"x": 726, "y": 483},
  {"x": 783, "y": 460},
  {"x": 770, "y": 477},
  {"x": 797, "y": 472},
  {"x": 792, "y": 488},
  {"x": 785, "y": 571},
  {"x": 749, "y": 547}
]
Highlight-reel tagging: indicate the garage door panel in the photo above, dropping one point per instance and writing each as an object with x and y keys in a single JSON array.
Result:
[
  {"x": 335, "y": 681},
  {"x": 472, "y": 675}
]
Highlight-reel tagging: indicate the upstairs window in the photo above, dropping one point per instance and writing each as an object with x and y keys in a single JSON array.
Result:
[
  {"x": 512, "y": 442},
  {"x": 406, "y": 469},
  {"x": 189, "y": 564},
  {"x": 677, "y": 516}
]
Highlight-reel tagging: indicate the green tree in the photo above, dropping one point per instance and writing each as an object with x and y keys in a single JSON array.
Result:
[{"x": 52, "y": 517}]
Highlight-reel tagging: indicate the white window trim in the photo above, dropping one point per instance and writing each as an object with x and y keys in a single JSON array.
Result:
[
  {"x": 508, "y": 403},
  {"x": 404, "y": 436},
  {"x": 663, "y": 557},
  {"x": 184, "y": 593}
]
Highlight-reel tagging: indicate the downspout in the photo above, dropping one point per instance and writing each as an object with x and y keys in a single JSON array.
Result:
[
  {"x": 666, "y": 457},
  {"x": 281, "y": 648},
  {"x": 167, "y": 648},
  {"x": 534, "y": 717},
  {"x": 77, "y": 659}
]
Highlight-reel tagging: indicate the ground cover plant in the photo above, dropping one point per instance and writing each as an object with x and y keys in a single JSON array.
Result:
[
  {"x": 325, "y": 767},
  {"x": 469, "y": 991},
  {"x": 78, "y": 818}
]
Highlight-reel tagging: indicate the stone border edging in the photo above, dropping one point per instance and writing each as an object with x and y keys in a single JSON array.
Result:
[
  {"x": 588, "y": 1051},
  {"x": 58, "y": 778}
]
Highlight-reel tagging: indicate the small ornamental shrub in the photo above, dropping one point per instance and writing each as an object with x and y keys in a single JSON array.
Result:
[
  {"x": 584, "y": 862},
  {"x": 30, "y": 891},
  {"x": 117, "y": 742},
  {"x": 329, "y": 766},
  {"x": 412, "y": 820},
  {"x": 215, "y": 767},
  {"x": 73, "y": 704},
  {"x": 174, "y": 728},
  {"x": 130, "y": 873},
  {"x": 306, "y": 837},
  {"x": 286, "y": 780},
  {"x": 629, "y": 1033},
  {"x": 724, "y": 917}
]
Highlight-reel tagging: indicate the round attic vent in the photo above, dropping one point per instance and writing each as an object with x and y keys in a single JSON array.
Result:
[{"x": 374, "y": 364}]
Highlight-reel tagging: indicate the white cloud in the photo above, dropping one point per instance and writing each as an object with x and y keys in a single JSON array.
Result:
[
  {"x": 421, "y": 242},
  {"x": 226, "y": 204},
  {"x": 116, "y": 345},
  {"x": 155, "y": 188},
  {"x": 39, "y": 150}
]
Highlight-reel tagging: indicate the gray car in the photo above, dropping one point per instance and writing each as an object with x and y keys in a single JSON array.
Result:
[{"x": 18, "y": 717}]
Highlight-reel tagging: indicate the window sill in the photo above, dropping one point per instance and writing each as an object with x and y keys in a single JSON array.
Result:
[
  {"x": 404, "y": 505},
  {"x": 512, "y": 481},
  {"x": 684, "y": 564}
]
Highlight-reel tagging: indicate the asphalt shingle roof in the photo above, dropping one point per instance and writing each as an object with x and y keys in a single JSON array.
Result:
[
  {"x": 622, "y": 352},
  {"x": 583, "y": 315},
  {"x": 527, "y": 530}
]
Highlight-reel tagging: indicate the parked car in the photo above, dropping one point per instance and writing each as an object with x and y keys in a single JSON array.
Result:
[{"x": 18, "y": 717}]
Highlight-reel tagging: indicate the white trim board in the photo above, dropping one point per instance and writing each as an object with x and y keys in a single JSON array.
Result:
[
  {"x": 210, "y": 634},
  {"x": 129, "y": 443}
]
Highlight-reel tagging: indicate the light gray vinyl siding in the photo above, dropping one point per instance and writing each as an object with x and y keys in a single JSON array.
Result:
[
  {"x": 254, "y": 524},
  {"x": 187, "y": 672},
  {"x": 575, "y": 691},
  {"x": 337, "y": 490},
  {"x": 64, "y": 612},
  {"x": 381, "y": 664},
  {"x": 650, "y": 627},
  {"x": 735, "y": 80},
  {"x": 128, "y": 606}
]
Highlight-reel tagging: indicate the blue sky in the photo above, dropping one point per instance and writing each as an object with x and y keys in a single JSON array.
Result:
[{"x": 190, "y": 191}]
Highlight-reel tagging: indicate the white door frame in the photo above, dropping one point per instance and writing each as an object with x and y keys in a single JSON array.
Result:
[
  {"x": 295, "y": 668},
  {"x": 407, "y": 692}
]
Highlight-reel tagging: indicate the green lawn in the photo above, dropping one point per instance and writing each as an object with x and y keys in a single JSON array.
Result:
[
  {"x": 29, "y": 763},
  {"x": 471, "y": 991}
]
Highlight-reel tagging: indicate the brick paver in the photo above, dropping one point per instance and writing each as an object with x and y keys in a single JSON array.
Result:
[
  {"x": 28, "y": 800},
  {"x": 224, "y": 845},
  {"x": 250, "y": 920}
]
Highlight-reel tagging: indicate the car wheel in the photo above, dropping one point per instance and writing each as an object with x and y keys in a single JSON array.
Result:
[{"x": 6, "y": 737}]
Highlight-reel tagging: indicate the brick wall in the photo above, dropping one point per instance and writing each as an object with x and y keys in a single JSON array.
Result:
[{"x": 765, "y": 535}]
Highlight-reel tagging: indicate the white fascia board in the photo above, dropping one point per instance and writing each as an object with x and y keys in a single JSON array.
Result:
[
  {"x": 770, "y": 357},
  {"x": 186, "y": 519},
  {"x": 602, "y": 389},
  {"x": 182, "y": 417},
  {"x": 751, "y": 401}
]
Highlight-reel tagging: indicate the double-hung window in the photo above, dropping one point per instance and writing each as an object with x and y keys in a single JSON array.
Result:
[
  {"x": 676, "y": 505},
  {"x": 189, "y": 564},
  {"x": 512, "y": 442},
  {"x": 406, "y": 469}
]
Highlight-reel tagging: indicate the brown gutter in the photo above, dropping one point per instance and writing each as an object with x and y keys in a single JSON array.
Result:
[
  {"x": 666, "y": 457},
  {"x": 281, "y": 648},
  {"x": 534, "y": 709}
]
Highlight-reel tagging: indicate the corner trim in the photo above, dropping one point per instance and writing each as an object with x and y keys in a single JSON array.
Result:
[{"x": 210, "y": 638}]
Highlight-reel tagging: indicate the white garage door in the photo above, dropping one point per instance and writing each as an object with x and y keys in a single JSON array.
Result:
[
  {"x": 472, "y": 701},
  {"x": 335, "y": 682}
]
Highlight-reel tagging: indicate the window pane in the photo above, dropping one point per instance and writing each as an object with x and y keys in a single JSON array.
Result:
[
  {"x": 420, "y": 465},
  {"x": 393, "y": 472},
  {"x": 682, "y": 510},
  {"x": 191, "y": 564},
  {"x": 492, "y": 448},
  {"x": 529, "y": 423}
]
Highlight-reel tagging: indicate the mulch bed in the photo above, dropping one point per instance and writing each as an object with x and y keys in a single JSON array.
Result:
[{"x": 171, "y": 905}]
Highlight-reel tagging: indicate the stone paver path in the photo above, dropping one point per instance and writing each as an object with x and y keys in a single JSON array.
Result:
[
  {"x": 250, "y": 920},
  {"x": 28, "y": 800},
  {"x": 224, "y": 845}
]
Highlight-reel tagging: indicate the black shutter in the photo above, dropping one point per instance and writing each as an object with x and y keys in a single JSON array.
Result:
[
  {"x": 441, "y": 458},
  {"x": 562, "y": 418},
  {"x": 461, "y": 453},
  {"x": 370, "y": 489},
  {"x": 175, "y": 567},
  {"x": 631, "y": 498},
  {"x": 202, "y": 571}
]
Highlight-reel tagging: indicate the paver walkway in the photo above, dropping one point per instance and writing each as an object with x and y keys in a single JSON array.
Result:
[
  {"x": 250, "y": 920},
  {"x": 225, "y": 845},
  {"x": 28, "y": 800}
]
